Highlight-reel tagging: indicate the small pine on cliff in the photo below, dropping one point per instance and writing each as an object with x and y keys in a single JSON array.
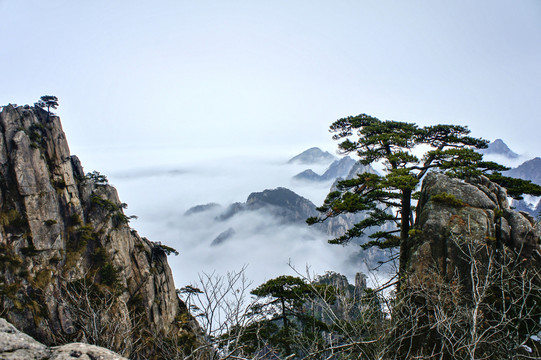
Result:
[{"x": 71, "y": 268}]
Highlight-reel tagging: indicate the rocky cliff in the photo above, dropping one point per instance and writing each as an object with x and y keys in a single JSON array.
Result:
[
  {"x": 473, "y": 280},
  {"x": 452, "y": 210},
  {"x": 71, "y": 268}
]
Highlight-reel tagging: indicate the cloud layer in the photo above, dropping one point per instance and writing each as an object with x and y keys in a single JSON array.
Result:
[{"x": 160, "y": 196}]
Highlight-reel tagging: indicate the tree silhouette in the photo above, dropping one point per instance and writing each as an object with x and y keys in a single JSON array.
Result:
[{"x": 48, "y": 101}]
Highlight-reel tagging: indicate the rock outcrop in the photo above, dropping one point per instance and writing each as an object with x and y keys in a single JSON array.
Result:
[
  {"x": 452, "y": 210},
  {"x": 15, "y": 345},
  {"x": 71, "y": 268},
  {"x": 349, "y": 304},
  {"x": 472, "y": 274}
]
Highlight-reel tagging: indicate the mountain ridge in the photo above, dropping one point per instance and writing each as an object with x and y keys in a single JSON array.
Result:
[
  {"x": 338, "y": 168},
  {"x": 313, "y": 155},
  {"x": 528, "y": 170}
]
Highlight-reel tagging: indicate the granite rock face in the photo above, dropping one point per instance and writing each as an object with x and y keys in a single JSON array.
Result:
[
  {"x": 15, "y": 345},
  {"x": 473, "y": 262},
  {"x": 450, "y": 210},
  {"x": 64, "y": 239}
]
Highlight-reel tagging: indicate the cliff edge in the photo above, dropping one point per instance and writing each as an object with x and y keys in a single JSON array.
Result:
[
  {"x": 71, "y": 268},
  {"x": 474, "y": 275},
  {"x": 452, "y": 212}
]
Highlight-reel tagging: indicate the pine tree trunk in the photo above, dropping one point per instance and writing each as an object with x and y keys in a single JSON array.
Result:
[{"x": 405, "y": 214}]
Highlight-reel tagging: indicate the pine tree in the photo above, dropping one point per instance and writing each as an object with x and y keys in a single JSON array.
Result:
[
  {"x": 389, "y": 198},
  {"x": 288, "y": 292},
  {"x": 49, "y": 101},
  {"x": 289, "y": 297}
]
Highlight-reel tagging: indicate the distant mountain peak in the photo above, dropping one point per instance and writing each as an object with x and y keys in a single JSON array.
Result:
[
  {"x": 499, "y": 147},
  {"x": 528, "y": 170},
  {"x": 284, "y": 204},
  {"x": 338, "y": 168},
  {"x": 201, "y": 208},
  {"x": 312, "y": 156}
]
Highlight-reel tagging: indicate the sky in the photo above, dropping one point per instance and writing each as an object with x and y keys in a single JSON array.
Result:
[
  {"x": 195, "y": 92},
  {"x": 215, "y": 74}
]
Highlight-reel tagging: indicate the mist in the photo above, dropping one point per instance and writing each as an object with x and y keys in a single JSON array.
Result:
[{"x": 160, "y": 185}]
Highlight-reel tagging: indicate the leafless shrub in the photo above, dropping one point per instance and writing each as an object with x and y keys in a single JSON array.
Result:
[
  {"x": 98, "y": 316},
  {"x": 488, "y": 310},
  {"x": 224, "y": 309}
]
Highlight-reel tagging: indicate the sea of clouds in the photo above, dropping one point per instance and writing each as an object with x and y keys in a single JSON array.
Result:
[{"x": 160, "y": 185}]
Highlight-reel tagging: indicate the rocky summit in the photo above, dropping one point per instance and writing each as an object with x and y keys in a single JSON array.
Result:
[
  {"x": 451, "y": 210},
  {"x": 498, "y": 147},
  {"x": 71, "y": 269},
  {"x": 468, "y": 256}
]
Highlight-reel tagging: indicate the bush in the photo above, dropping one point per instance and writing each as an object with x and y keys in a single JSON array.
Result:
[
  {"x": 109, "y": 275},
  {"x": 448, "y": 199},
  {"x": 97, "y": 178}
]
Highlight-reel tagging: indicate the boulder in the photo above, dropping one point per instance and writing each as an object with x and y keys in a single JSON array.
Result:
[
  {"x": 451, "y": 210},
  {"x": 15, "y": 345}
]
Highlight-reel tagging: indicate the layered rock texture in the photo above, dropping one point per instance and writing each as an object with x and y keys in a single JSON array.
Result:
[
  {"x": 473, "y": 280},
  {"x": 452, "y": 210},
  {"x": 15, "y": 345},
  {"x": 71, "y": 268}
]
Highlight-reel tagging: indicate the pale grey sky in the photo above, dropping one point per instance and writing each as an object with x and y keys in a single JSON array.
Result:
[{"x": 225, "y": 73}]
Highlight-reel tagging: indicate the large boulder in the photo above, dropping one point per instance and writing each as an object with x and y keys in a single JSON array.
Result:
[
  {"x": 473, "y": 274},
  {"x": 15, "y": 345},
  {"x": 451, "y": 210}
]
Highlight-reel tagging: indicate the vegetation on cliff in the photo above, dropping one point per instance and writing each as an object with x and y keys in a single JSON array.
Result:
[
  {"x": 72, "y": 269},
  {"x": 389, "y": 198},
  {"x": 465, "y": 294}
]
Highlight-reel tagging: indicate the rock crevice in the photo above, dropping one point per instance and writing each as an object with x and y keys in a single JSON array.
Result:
[{"x": 64, "y": 234}]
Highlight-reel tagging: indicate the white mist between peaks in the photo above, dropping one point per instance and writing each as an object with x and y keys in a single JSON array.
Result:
[{"x": 160, "y": 185}]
